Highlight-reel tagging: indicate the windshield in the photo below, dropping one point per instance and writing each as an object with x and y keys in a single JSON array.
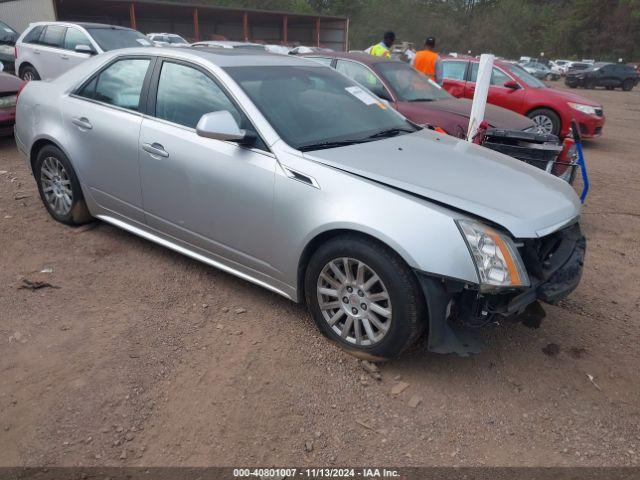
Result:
[
  {"x": 315, "y": 107},
  {"x": 526, "y": 77},
  {"x": 114, "y": 38},
  {"x": 409, "y": 85},
  {"x": 177, "y": 39},
  {"x": 8, "y": 35}
]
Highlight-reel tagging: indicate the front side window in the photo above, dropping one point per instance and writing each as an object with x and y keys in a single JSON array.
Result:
[
  {"x": 75, "y": 37},
  {"x": 120, "y": 84},
  {"x": 177, "y": 39},
  {"x": 410, "y": 85},
  {"x": 454, "y": 70},
  {"x": 312, "y": 107},
  {"x": 498, "y": 77},
  {"x": 186, "y": 94},
  {"x": 114, "y": 38},
  {"x": 526, "y": 77},
  {"x": 53, "y": 36}
]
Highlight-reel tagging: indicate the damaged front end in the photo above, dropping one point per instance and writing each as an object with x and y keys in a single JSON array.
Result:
[{"x": 553, "y": 265}]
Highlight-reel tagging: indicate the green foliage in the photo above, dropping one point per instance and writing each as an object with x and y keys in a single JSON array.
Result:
[{"x": 601, "y": 29}]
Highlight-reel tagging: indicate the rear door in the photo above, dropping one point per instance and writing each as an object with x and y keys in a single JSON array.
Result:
[
  {"x": 50, "y": 51},
  {"x": 454, "y": 73},
  {"x": 102, "y": 119}
]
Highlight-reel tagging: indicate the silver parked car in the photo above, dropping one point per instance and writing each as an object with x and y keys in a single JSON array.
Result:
[
  {"x": 290, "y": 175},
  {"x": 46, "y": 50}
]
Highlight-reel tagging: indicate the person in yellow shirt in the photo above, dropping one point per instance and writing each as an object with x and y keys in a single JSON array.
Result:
[
  {"x": 428, "y": 61},
  {"x": 383, "y": 49}
]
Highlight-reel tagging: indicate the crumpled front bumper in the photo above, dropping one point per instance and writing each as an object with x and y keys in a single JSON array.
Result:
[{"x": 554, "y": 264}]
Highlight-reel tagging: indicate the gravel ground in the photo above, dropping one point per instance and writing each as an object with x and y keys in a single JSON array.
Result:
[{"x": 139, "y": 356}]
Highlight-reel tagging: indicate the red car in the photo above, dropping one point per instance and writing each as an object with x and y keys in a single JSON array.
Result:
[
  {"x": 414, "y": 95},
  {"x": 9, "y": 87},
  {"x": 513, "y": 88}
]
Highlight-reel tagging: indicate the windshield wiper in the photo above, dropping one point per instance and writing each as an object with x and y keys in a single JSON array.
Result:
[
  {"x": 323, "y": 145},
  {"x": 390, "y": 132},
  {"x": 422, "y": 100}
]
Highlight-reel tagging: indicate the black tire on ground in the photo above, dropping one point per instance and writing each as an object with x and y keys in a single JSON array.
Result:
[
  {"x": 407, "y": 302},
  {"x": 590, "y": 84},
  {"x": 627, "y": 85},
  {"x": 609, "y": 87},
  {"x": 551, "y": 115},
  {"x": 28, "y": 73},
  {"x": 78, "y": 214}
]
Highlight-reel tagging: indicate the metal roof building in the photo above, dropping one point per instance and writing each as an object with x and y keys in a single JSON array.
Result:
[{"x": 194, "y": 20}]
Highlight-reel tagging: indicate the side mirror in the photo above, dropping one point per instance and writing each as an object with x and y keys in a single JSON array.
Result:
[
  {"x": 512, "y": 84},
  {"x": 221, "y": 125},
  {"x": 85, "y": 49}
]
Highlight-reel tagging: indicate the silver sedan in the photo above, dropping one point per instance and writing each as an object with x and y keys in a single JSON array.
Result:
[{"x": 289, "y": 175}]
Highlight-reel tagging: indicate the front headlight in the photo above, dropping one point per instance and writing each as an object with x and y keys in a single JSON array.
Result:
[
  {"x": 7, "y": 102},
  {"x": 496, "y": 257},
  {"x": 588, "y": 109}
]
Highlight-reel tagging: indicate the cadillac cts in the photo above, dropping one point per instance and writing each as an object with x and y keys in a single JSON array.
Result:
[{"x": 289, "y": 175}]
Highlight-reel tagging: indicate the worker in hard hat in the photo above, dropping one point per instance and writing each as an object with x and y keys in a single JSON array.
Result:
[
  {"x": 428, "y": 61},
  {"x": 383, "y": 49}
]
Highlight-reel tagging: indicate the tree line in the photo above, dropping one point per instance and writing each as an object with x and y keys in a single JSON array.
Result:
[{"x": 600, "y": 29}]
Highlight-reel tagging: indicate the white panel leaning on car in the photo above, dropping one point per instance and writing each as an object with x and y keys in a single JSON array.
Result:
[{"x": 278, "y": 170}]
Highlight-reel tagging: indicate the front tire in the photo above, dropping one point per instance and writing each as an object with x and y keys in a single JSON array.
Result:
[
  {"x": 627, "y": 85},
  {"x": 59, "y": 187},
  {"x": 364, "y": 297},
  {"x": 546, "y": 120}
]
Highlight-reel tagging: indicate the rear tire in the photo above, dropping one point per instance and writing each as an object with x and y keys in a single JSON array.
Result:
[
  {"x": 374, "y": 319},
  {"x": 546, "y": 119},
  {"x": 29, "y": 73},
  {"x": 627, "y": 85},
  {"x": 59, "y": 187}
]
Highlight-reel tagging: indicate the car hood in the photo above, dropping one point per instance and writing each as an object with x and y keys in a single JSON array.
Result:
[
  {"x": 497, "y": 117},
  {"x": 560, "y": 95},
  {"x": 523, "y": 199}
]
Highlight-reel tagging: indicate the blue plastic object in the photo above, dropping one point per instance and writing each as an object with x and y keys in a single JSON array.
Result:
[{"x": 581, "y": 162}]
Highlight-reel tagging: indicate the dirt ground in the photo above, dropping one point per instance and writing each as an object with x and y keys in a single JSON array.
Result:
[{"x": 138, "y": 357}]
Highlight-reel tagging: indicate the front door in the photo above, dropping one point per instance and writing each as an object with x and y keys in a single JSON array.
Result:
[
  {"x": 454, "y": 72},
  {"x": 499, "y": 95},
  {"x": 214, "y": 195}
]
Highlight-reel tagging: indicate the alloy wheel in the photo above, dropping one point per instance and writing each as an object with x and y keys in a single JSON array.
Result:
[
  {"x": 544, "y": 123},
  {"x": 28, "y": 76},
  {"x": 56, "y": 186},
  {"x": 354, "y": 301}
]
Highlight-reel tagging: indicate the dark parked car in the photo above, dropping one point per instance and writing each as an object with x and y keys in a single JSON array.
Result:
[
  {"x": 9, "y": 87},
  {"x": 608, "y": 75},
  {"x": 8, "y": 37},
  {"x": 414, "y": 95}
]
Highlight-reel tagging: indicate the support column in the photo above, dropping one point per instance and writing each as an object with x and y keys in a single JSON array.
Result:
[
  {"x": 196, "y": 25},
  {"x": 285, "y": 29},
  {"x": 317, "y": 32},
  {"x": 132, "y": 15},
  {"x": 245, "y": 26},
  {"x": 346, "y": 35}
]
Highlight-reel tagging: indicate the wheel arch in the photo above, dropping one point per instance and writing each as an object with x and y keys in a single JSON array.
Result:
[
  {"x": 327, "y": 235},
  {"x": 564, "y": 123},
  {"x": 24, "y": 65},
  {"x": 38, "y": 145}
]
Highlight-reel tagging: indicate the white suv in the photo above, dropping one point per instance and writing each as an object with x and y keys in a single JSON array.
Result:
[
  {"x": 167, "y": 40},
  {"x": 46, "y": 50}
]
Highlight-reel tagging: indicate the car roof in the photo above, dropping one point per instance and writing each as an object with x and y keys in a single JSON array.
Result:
[
  {"x": 224, "y": 57},
  {"x": 84, "y": 25}
]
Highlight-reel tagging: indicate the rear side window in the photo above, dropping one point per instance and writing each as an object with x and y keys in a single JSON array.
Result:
[
  {"x": 53, "y": 36},
  {"x": 454, "y": 70},
  {"x": 34, "y": 35},
  {"x": 322, "y": 60},
  {"x": 120, "y": 84}
]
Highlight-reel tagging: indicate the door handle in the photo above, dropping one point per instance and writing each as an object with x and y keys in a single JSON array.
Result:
[
  {"x": 82, "y": 122},
  {"x": 155, "y": 149}
]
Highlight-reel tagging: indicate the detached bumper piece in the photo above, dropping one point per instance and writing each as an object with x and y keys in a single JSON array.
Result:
[{"x": 554, "y": 264}]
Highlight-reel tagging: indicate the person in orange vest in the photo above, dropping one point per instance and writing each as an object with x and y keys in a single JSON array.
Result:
[{"x": 428, "y": 61}]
